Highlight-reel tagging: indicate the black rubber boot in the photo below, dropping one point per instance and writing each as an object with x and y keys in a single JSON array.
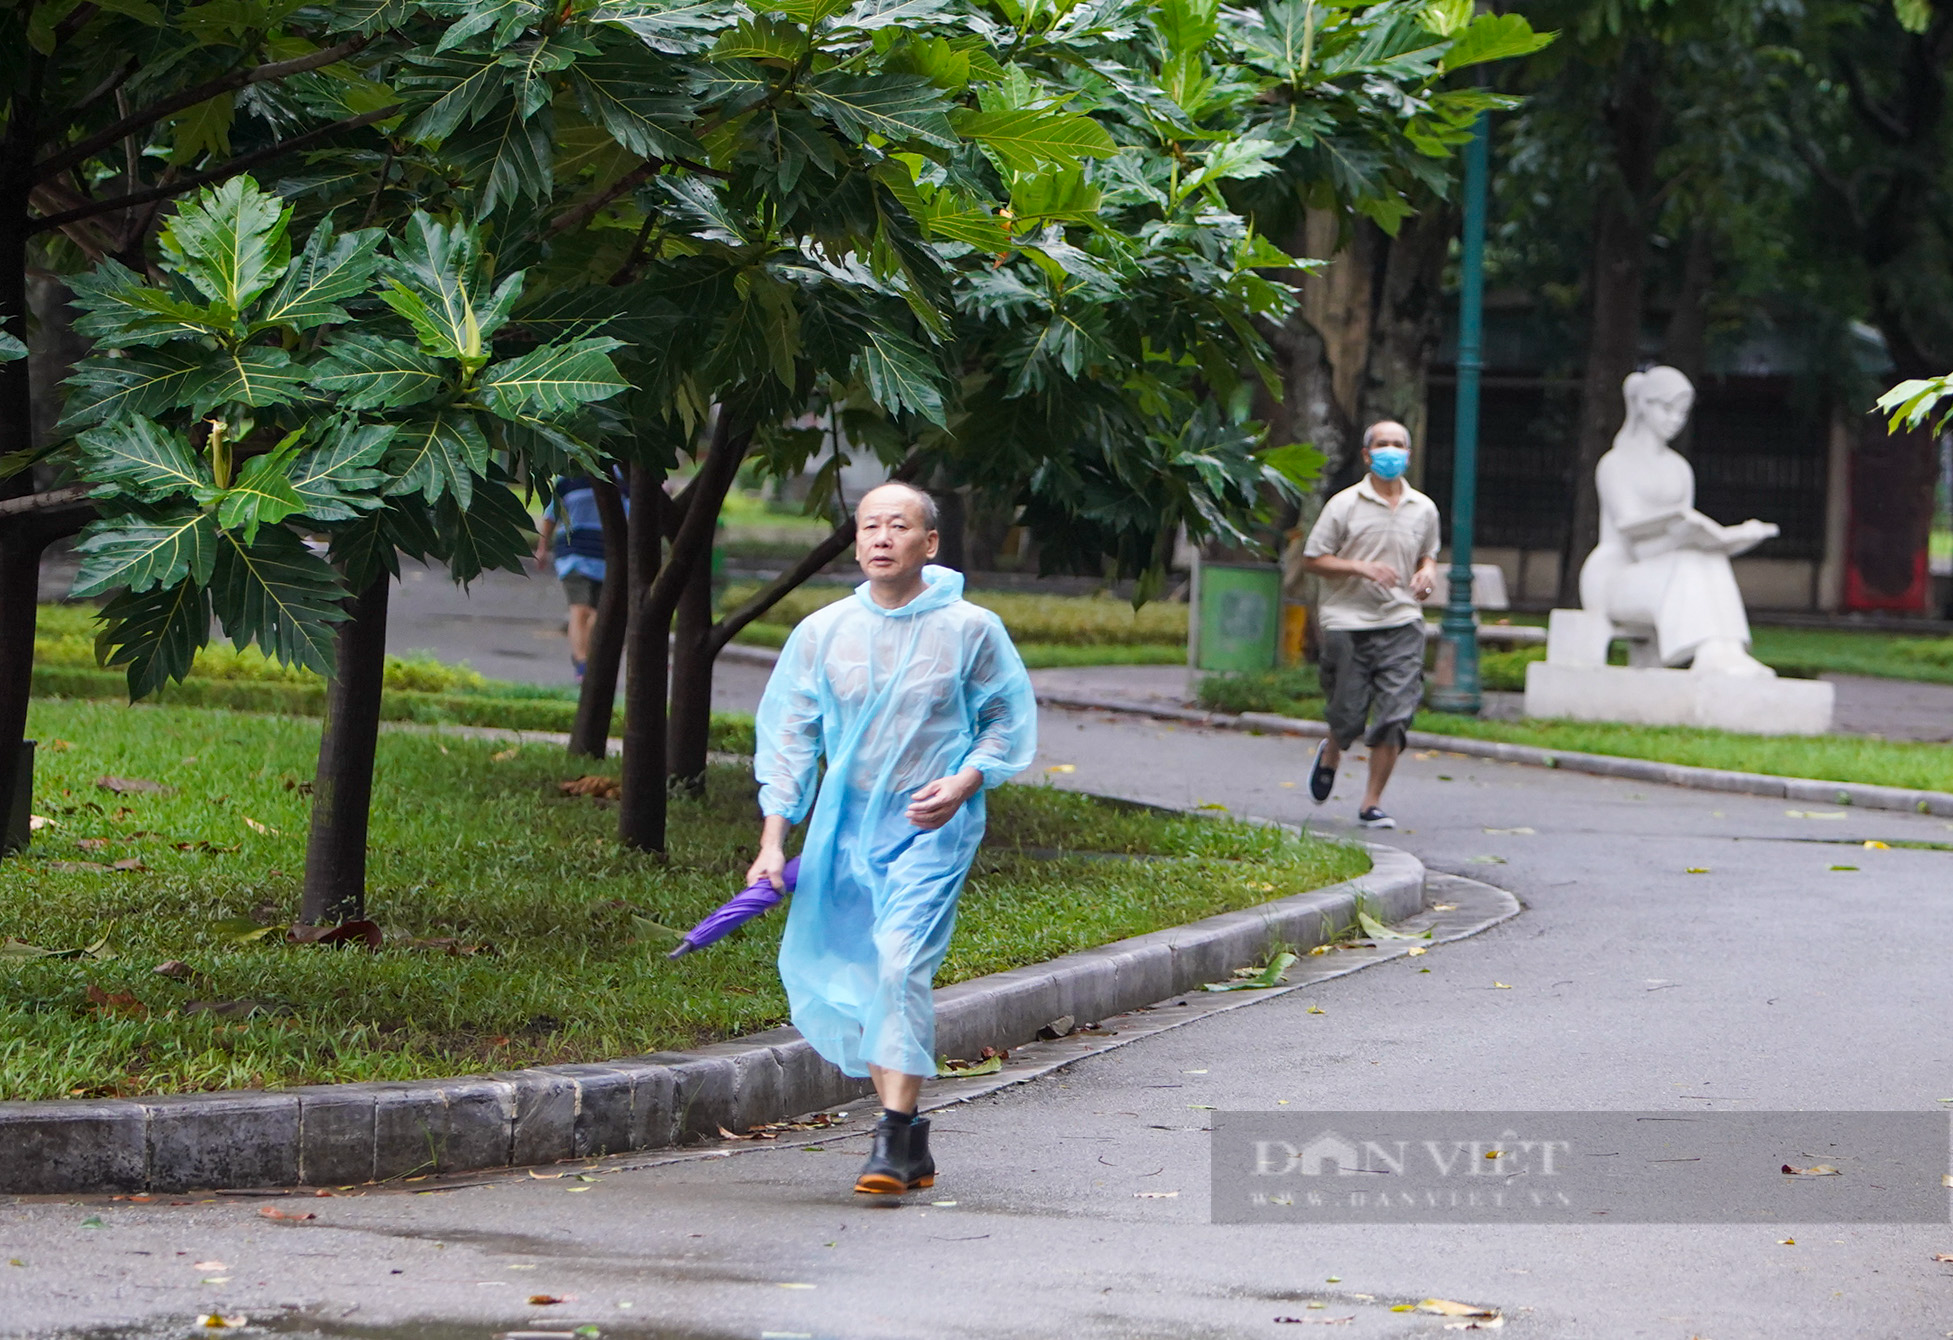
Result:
[
  {"x": 886, "y": 1173},
  {"x": 922, "y": 1168}
]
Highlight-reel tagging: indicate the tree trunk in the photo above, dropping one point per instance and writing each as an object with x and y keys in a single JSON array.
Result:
[
  {"x": 641, "y": 813},
  {"x": 20, "y": 540},
  {"x": 1614, "y": 314},
  {"x": 691, "y": 683},
  {"x": 590, "y": 735},
  {"x": 342, "y": 793},
  {"x": 20, "y": 576},
  {"x": 1686, "y": 345},
  {"x": 1408, "y": 323}
]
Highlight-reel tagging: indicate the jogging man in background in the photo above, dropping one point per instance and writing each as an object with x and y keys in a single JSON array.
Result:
[{"x": 1375, "y": 547}]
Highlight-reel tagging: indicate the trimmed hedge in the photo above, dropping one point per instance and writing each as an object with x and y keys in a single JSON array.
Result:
[{"x": 1050, "y": 620}]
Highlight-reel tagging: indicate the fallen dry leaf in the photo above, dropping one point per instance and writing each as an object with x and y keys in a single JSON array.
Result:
[
  {"x": 598, "y": 788},
  {"x": 1817, "y": 1170},
  {"x": 346, "y": 932},
  {"x": 1945, "y": 1258},
  {"x": 1154, "y": 1195},
  {"x": 209, "y": 1265},
  {"x": 36, "y": 822},
  {"x": 1696, "y": 870},
  {"x": 1483, "y": 1324},
  {"x": 226, "y": 1009},
  {"x": 447, "y": 944},
  {"x": 123, "y": 786},
  {"x": 175, "y": 969},
  {"x": 92, "y": 844},
  {"x": 215, "y": 1321},
  {"x": 273, "y": 1212},
  {"x": 1416, "y": 950},
  {"x": 1444, "y": 1307},
  {"x": 1500, "y": 986},
  {"x": 129, "y": 863},
  {"x": 1786, "y": 1242},
  {"x": 257, "y": 827},
  {"x": 545, "y": 1300},
  {"x": 109, "y": 1004}
]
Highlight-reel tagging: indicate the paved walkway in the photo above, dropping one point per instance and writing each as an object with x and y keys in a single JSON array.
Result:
[{"x": 1078, "y": 1203}]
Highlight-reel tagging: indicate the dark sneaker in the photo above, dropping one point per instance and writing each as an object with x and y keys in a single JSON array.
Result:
[
  {"x": 1322, "y": 778},
  {"x": 1374, "y": 818},
  {"x": 899, "y": 1161}
]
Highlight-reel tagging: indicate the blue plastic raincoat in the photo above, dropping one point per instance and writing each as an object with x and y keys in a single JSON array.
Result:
[{"x": 893, "y": 699}]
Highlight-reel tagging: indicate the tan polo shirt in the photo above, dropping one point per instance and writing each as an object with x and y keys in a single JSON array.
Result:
[{"x": 1359, "y": 524}]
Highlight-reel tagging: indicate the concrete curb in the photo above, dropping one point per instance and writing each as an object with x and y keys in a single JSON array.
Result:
[
  {"x": 339, "y": 1134},
  {"x": 1811, "y": 790}
]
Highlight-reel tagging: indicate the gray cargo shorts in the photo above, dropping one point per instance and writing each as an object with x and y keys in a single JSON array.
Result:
[{"x": 1372, "y": 673}]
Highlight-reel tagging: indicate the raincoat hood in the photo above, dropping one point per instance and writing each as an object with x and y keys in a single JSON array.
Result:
[{"x": 941, "y": 586}]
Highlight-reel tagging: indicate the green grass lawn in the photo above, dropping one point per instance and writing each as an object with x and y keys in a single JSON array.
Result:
[
  {"x": 1836, "y": 758},
  {"x": 473, "y": 844}
]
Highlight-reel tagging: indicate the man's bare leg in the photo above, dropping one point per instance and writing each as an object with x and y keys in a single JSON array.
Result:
[
  {"x": 1383, "y": 758},
  {"x": 582, "y": 619},
  {"x": 897, "y": 1091}
]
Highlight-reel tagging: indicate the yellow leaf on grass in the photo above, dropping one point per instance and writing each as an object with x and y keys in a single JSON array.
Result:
[
  {"x": 504, "y": 755},
  {"x": 257, "y": 827}
]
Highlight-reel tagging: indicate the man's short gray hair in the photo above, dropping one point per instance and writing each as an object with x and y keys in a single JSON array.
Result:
[
  {"x": 932, "y": 515},
  {"x": 1370, "y": 433}
]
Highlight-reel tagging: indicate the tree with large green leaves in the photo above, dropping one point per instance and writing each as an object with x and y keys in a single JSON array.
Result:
[
  {"x": 778, "y": 206},
  {"x": 108, "y": 112},
  {"x": 256, "y": 397}
]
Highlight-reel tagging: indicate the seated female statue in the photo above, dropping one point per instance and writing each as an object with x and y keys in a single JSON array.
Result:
[{"x": 1661, "y": 569}]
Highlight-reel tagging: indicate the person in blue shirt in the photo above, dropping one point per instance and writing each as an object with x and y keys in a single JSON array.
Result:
[
  {"x": 919, "y": 703},
  {"x": 574, "y": 533}
]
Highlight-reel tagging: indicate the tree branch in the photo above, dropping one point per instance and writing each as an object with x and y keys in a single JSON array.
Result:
[
  {"x": 243, "y": 163},
  {"x": 578, "y": 215},
  {"x": 1875, "y": 116},
  {"x": 734, "y": 622},
  {"x": 64, "y": 159},
  {"x": 47, "y": 500}
]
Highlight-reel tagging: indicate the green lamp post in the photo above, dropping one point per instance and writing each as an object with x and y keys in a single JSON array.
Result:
[{"x": 1454, "y": 685}]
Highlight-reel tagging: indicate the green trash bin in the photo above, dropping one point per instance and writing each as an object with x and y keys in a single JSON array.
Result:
[{"x": 1238, "y": 619}]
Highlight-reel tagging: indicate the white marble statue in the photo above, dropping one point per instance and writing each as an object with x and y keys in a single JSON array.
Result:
[{"x": 1661, "y": 569}]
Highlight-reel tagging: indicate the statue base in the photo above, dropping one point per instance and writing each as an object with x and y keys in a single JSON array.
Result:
[{"x": 1658, "y": 697}]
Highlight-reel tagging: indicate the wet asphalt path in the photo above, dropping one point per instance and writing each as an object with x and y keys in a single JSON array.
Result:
[{"x": 1080, "y": 1201}]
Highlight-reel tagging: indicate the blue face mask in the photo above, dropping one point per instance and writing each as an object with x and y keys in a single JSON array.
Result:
[{"x": 1389, "y": 462}]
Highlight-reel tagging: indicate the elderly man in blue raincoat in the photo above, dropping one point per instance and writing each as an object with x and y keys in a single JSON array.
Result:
[{"x": 919, "y": 703}]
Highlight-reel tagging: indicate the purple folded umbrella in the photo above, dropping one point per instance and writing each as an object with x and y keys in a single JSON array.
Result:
[{"x": 741, "y": 908}]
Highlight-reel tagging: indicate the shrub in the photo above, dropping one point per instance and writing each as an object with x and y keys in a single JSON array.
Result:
[{"x": 1059, "y": 620}]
